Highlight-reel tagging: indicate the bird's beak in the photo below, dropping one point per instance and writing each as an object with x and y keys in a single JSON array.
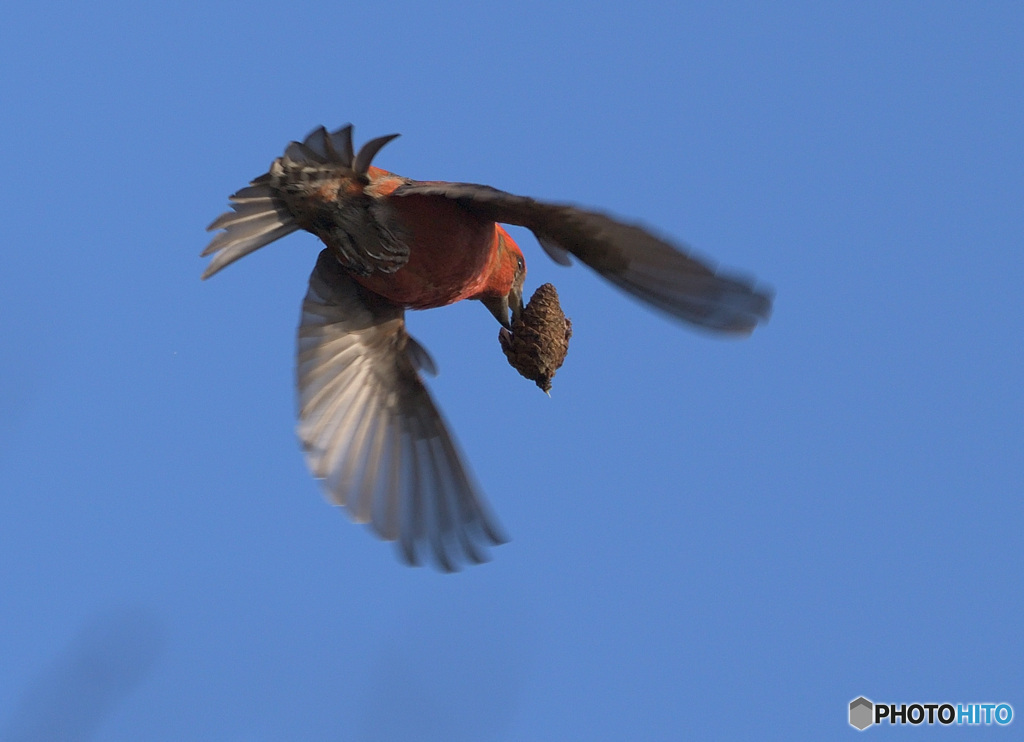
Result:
[
  {"x": 515, "y": 301},
  {"x": 500, "y": 306}
]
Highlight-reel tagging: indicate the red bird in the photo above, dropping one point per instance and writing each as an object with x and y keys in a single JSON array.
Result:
[{"x": 367, "y": 423}]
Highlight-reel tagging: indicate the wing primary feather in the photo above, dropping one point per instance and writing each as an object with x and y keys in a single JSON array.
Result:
[
  {"x": 343, "y": 418},
  {"x": 635, "y": 260},
  {"x": 555, "y": 251},
  {"x": 472, "y": 506},
  {"x": 350, "y": 472},
  {"x": 371, "y": 430},
  {"x": 387, "y": 526},
  {"x": 412, "y": 511},
  {"x": 369, "y": 487},
  {"x": 438, "y": 523}
]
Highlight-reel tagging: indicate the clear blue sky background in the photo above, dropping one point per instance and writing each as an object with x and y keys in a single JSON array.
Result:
[{"x": 711, "y": 539}]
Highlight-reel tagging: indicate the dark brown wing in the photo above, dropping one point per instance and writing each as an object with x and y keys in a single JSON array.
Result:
[
  {"x": 627, "y": 255},
  {"x": 371, "y": 430}
]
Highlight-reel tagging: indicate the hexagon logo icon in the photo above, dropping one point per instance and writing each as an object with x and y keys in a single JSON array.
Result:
[{"x": 861, "y": 713}]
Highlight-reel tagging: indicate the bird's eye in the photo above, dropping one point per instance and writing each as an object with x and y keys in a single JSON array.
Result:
[{"x": 520, "y": 265}]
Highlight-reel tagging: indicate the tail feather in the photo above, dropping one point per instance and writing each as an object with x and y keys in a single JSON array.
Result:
[
  {"x": 259, "y": 216},
  {"x": 257, "y": 219},
  {"x": 256, "y": 192},
  {"x": 246, "y": 212},
  {"x": 301, "y": 152},
  {"x": 323, "y": 147},
  {"x": 248, "y": 227}
]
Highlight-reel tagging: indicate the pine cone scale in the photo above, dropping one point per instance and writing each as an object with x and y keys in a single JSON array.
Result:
[{"x": 539, "y": 341}]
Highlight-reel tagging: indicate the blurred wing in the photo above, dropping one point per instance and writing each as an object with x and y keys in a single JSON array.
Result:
[
  {"x": 371, "y": 431},
  {"x": 629, "y": 256}
]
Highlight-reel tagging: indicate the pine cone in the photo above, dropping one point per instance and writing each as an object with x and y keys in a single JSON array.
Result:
[{"x": 539, "y": 340}]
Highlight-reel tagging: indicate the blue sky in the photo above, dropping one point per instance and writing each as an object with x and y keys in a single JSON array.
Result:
[{"x": 710, "y": 539}]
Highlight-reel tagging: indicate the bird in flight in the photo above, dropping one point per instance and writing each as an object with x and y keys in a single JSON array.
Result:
[{"x": 368, "y": 425}]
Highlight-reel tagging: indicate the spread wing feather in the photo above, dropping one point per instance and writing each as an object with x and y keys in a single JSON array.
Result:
[
  {"x": 370, "y": 428},
  {"x": 638, "y": 262}
]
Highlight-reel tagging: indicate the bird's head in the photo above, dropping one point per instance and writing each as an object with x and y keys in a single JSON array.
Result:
[{"x": 504, "y": 290}]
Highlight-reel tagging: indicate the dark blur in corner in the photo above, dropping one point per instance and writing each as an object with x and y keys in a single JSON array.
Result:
[{"x": 88, "y": 679}]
